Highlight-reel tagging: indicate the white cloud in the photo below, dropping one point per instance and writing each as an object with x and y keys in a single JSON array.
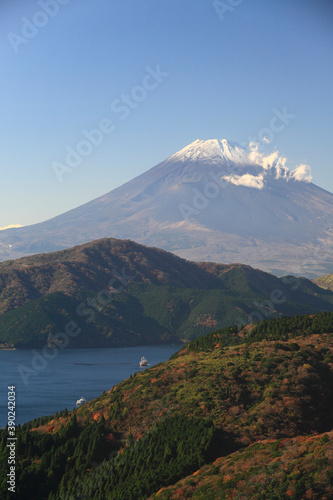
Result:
[
  {"x": 10, "y": 226},
  {"x": 246, "y": 180},
  {"x": 302, "y": 173},
  {"x": 266, "y": 161},
  {"x": 277, "y": 164}
]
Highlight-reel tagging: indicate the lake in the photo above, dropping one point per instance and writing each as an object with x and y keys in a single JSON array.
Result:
[{"x": 56, "y": 384}]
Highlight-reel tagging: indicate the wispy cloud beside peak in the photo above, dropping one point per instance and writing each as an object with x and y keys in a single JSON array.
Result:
[
  {"x": 302, "y": 173},
  {"x": 277, "y": 162}
]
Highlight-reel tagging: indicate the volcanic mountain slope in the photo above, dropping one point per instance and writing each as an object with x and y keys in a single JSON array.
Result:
[
  {"x": 211, "y": 201},
  {"x": 254, "y": 409},
  {"x": 121, "y": 293}
]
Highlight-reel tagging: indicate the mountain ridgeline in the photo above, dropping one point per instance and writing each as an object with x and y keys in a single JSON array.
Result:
[
  {"x": 119, "y": 293},
  {"x": 213, "y": 200},
  {"x": 233, "y": 414}
]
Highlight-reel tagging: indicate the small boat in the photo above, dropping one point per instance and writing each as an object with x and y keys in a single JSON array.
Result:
[
  {"x": 143, "y": 361},
  {"x": 81, "y": 401}
]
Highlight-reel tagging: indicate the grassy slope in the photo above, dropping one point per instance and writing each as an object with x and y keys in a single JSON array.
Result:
[
  {"x": 288, "y": 468},
  {"x": 250, "y": 393},
  {"x": 325, "y": 282},
  {"x": 248, "y": 390},
  {"x": 166, "y": 297}
]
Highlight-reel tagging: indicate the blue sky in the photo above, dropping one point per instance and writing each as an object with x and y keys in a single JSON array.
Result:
[{"x": 219, "y": 75}]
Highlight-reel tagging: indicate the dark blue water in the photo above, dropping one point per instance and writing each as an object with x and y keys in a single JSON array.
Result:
[{"x": 44, "y": 387}]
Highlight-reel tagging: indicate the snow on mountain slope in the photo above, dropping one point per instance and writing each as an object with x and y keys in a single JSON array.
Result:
[
  {"x": 213, "y": 200},
  {"x": 212, "y": 151}
]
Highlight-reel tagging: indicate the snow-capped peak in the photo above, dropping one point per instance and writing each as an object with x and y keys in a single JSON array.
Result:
[
  {"x": 213, "y": 150},
  {"x": 246, "y": 166}
]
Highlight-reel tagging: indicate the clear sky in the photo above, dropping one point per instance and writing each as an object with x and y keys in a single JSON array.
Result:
[{"x": 184, "y": 70}]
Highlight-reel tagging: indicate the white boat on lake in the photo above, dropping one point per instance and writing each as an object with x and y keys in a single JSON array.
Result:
[
  {"x": 143, "y": 361},
  {"x": 81, "y": 401}
]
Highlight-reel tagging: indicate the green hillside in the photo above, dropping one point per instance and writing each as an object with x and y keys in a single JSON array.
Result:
[
  {"x": 288, "y": 468},
  {"x": 120, "y": 293},
  {"x": 245, "y": 407},
  {"x": 325, "y": 282}
]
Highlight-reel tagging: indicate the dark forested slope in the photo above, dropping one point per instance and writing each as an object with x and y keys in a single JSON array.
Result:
[{"x": 120, "y": 293}]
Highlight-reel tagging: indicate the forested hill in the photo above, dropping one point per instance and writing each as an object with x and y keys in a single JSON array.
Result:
[
  {"x": 100, "y": 264},
  {"x": 251, "y": 409},
  {"x": 120, "y": 293}
]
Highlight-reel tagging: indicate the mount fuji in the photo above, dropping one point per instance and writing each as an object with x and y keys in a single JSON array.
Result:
[{"x": 211, "y": 201}]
